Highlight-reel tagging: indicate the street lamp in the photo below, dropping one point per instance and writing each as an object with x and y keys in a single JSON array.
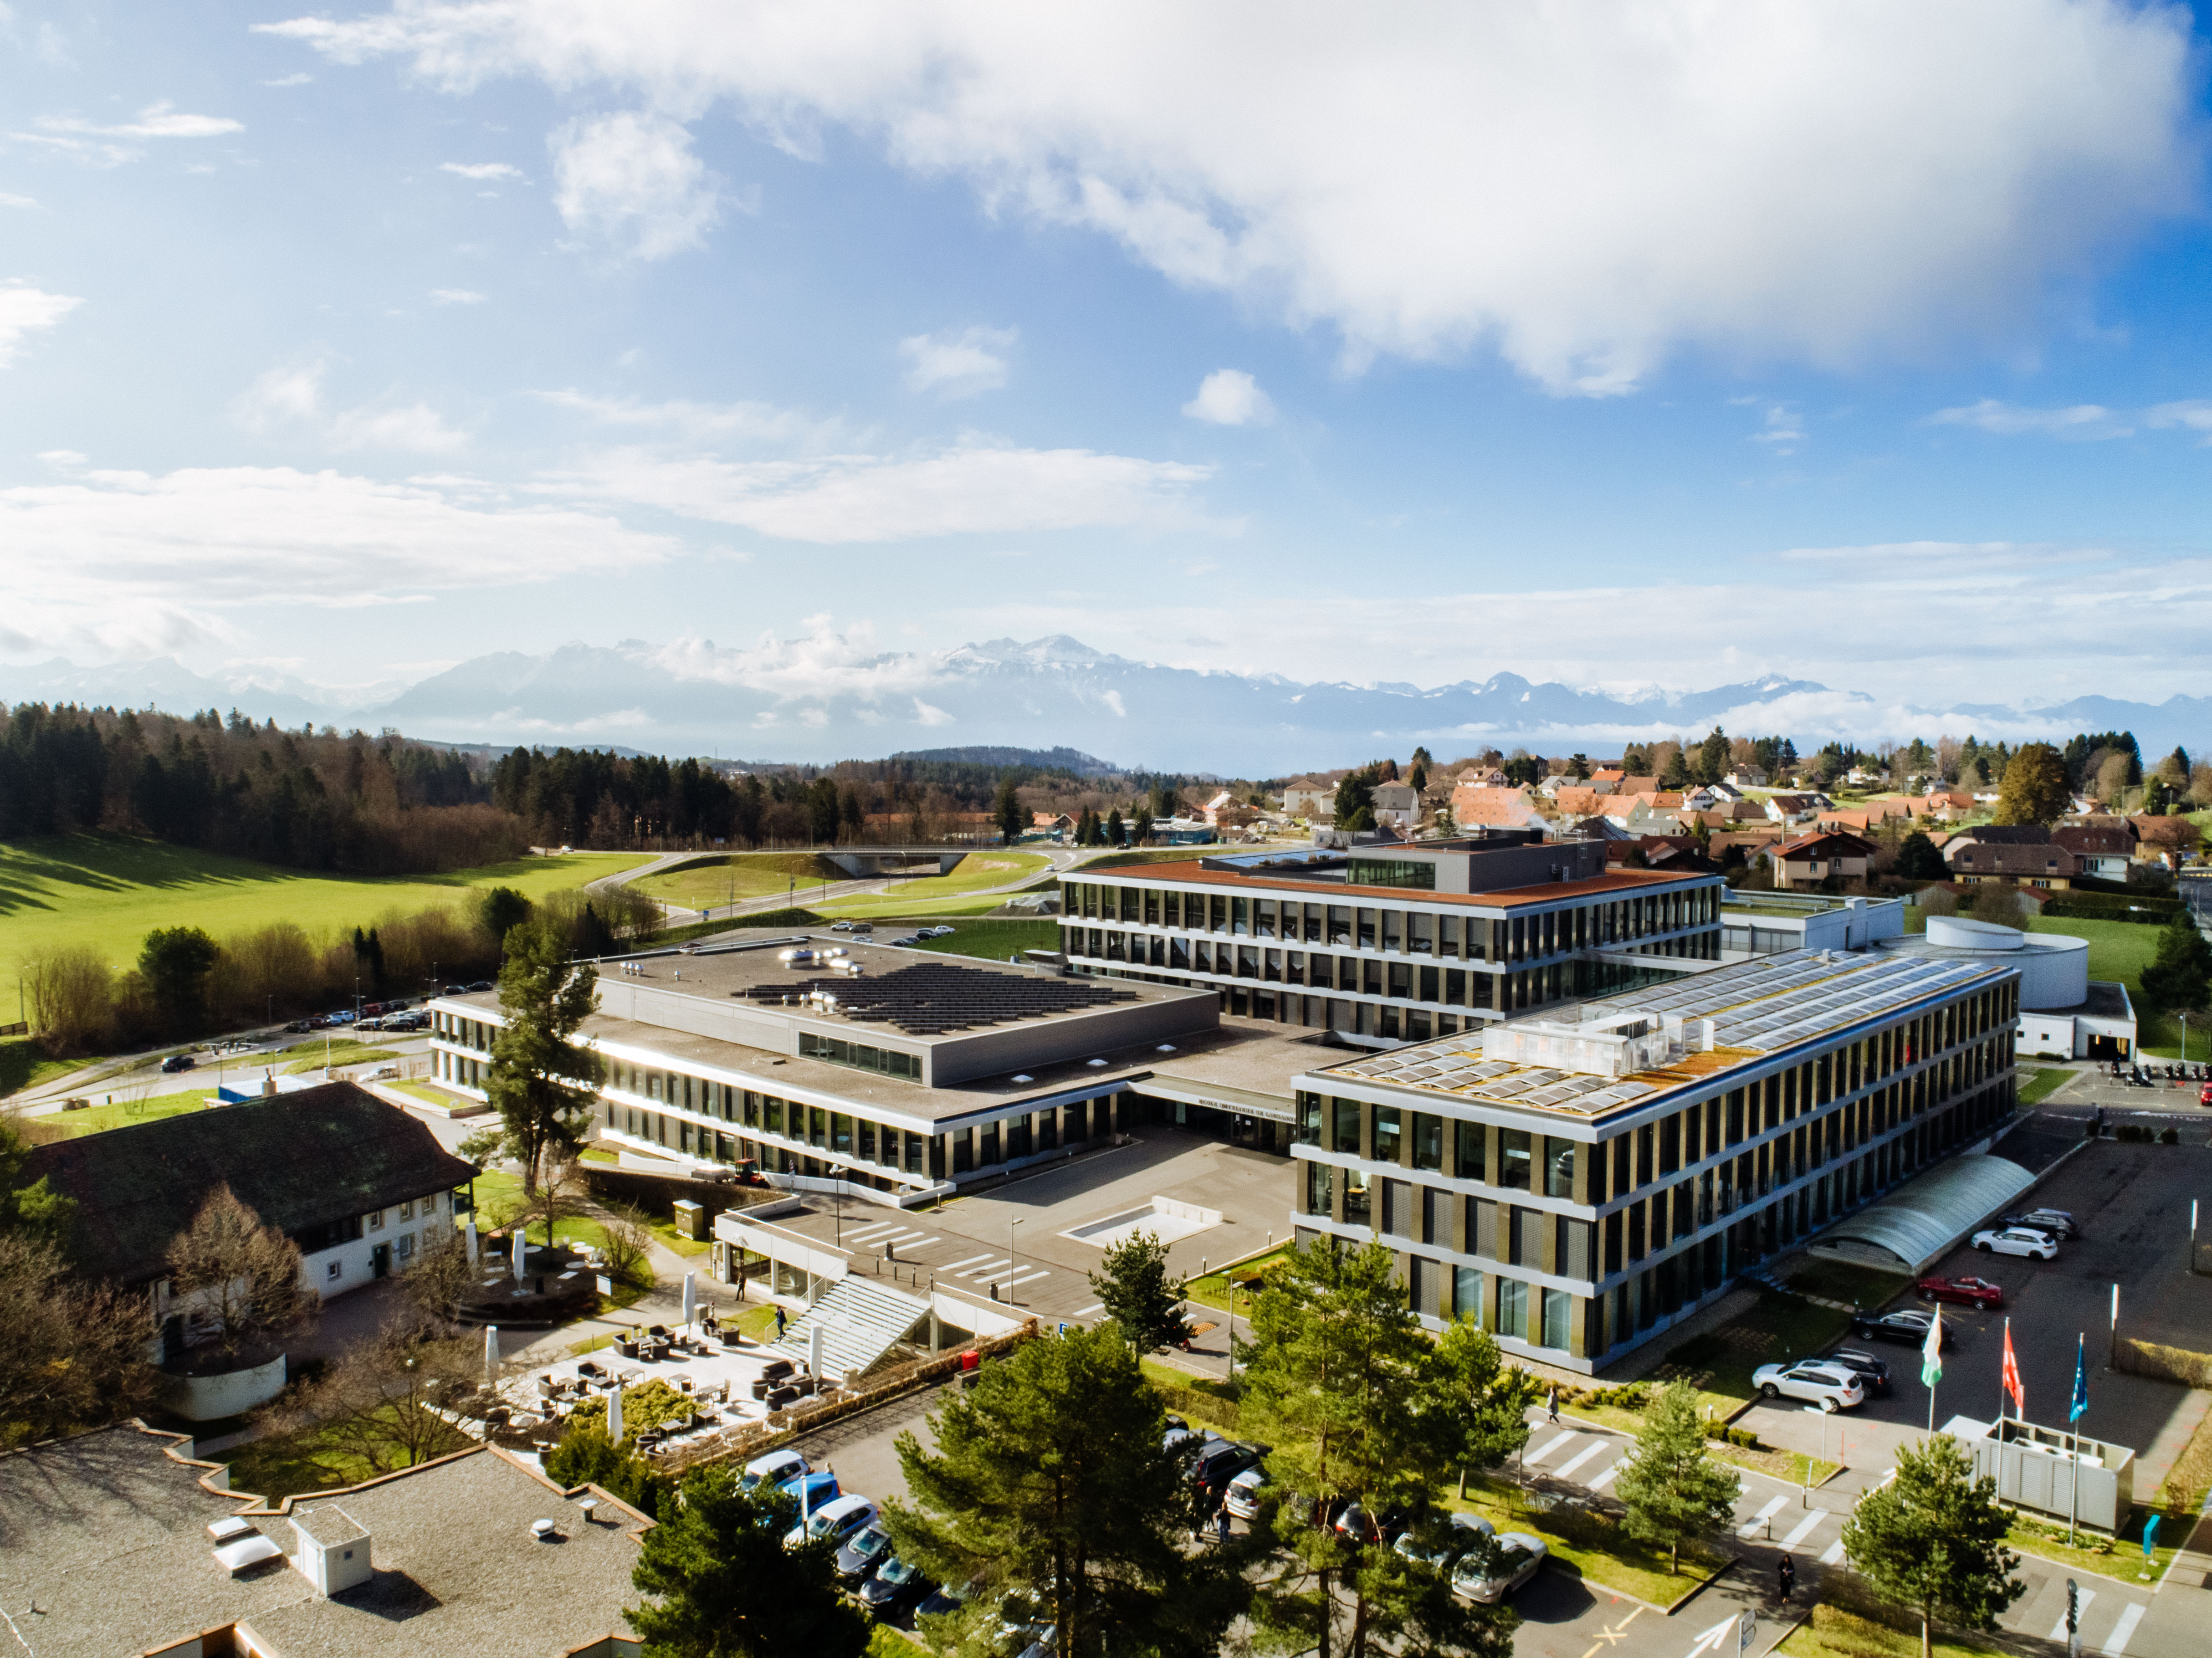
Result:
[{"x": 1010, "y": 1268}]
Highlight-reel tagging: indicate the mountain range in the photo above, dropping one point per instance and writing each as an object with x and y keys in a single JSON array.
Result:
[{"x": 817, "y": 701}]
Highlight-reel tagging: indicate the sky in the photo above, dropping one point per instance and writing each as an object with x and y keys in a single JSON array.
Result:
[{"x": 1623, "y": 345}]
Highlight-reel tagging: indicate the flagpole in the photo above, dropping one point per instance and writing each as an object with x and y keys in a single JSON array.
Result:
[{"x": 2080, "y": 1403}]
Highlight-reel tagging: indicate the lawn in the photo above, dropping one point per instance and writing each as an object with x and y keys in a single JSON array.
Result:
[
  {"x": 1719, "y": 1362},
  {"x": 2042, "y": 1084},
  {"x": 2121, "y": 950},
  {"x": 710, "y": 882},
  {"x": 1855, "y": 1287},
  {"x": 109, "y": 891},
  {"x": 971, "y": 876},
  {"x": 343, "y": 1050},
  {"x": 74, "y": 1125},
  {"x": 1835, "y": 1633},
  {"x": 22, "y": 1065},
  {"x": 2093, "y": 1551},
  {"x": 1000, "y": 938},
  {"x": 1212, "y": 1290},
  {"x": 1588, "y": 1544}
]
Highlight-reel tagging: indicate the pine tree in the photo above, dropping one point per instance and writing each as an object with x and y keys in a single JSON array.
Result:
[
  {"x": 1918, "y": 859},
  {"x": 2034, "y": 788},
  {"x": 1115, "y": 834},
  {"x": 1932, "y": 1541},
  {"x": 2178, "y": 974},
  {"x": 1136, "y": 1292},
  {"x": 727, "y": 1588},
  {"x": 541, "y": 1084},
  {"x": 1674, "y": 1491},
  {"x": 1476, "y": 1406},
  {"x": 1008, "y": 813},
  {"x": 1051, "y": 1476}
]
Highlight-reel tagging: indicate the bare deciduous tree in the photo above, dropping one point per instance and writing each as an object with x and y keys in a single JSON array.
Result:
[
  {"x": 440, "y": 1280},
  {"x": 71, "y": 993},
  {"x": 629, "y": 1245},
  {"x": 75, "y": 1354},
  {"x": 243, "y": 1277},
  {"x": 381, "y": 1401}
]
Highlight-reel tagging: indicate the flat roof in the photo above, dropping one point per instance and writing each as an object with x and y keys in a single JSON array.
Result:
[
  {"x": 1758, "y": 1007},
  {"x": 107, "y": 1532},
  {"x": 1618, "y": 882},
  {"x": 1246, "y": 1055},
  {"x": 924, "y": 995}
]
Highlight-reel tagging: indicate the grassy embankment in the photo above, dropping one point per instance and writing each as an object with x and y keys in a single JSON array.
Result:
[{"x": 107, "y": 891}]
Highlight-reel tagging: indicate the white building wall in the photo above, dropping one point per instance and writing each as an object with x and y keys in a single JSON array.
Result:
[{"x": 353, "y": 1260}]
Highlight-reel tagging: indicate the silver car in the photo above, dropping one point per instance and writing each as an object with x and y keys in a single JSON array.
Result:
[{"x": 1490, "y": 1574}]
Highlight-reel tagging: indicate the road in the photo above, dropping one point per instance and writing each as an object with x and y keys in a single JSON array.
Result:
[{"x": 1060, "y": 860}]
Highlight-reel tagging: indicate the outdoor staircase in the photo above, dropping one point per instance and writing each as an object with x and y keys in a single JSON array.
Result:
[{"x": 860, "y": 1320}]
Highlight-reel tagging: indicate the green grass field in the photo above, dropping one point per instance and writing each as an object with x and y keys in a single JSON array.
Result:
[
  {"x": 109, "y": 891},
  {"x": 712, "y": 880},
  {"x": 1000, "y": 938},
  {"x": 2121, "y": 950},
  {"x": 124, "y": 1112}
]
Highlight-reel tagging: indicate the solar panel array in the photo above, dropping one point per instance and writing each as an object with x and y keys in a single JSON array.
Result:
[
  {"x": 936, "y": 999},
  {"x": 1755, "y": 1006}
]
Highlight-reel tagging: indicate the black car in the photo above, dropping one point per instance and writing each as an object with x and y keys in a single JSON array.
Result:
[
  {"x": 1220, "y": 1461},
  {"x": 480, "y": 985},
  {"x": 1907, "y": 1324},
  {"x": 862, "y": 1553},
  {"x": 1873, "y": 1374},
  {"x": 897, "y": 1587},
  {"x": 1360, "y": 1525},
  {"x": 2055, "y": 1222},
  {"x": 179, "y": 1062}
]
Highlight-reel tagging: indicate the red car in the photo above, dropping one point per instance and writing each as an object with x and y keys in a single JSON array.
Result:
[
  {"x": 2204, "y": 1095},
  {"x": 1966, "y": 1292}
]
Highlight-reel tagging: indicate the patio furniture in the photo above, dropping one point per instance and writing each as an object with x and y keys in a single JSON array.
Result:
[
  {"x": 659, "y": 1331},
  {"x": 630, "y": 1378},
  {"x": 588, "y": 1369},
  {"x": 626, "y": 1347}
]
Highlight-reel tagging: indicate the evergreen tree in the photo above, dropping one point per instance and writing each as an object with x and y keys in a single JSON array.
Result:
[
  {"x": 1932, "y": 1541},
  {"x": 1476, "y": 1406},
  {"x": 1051, "y": 1476},
  {"x": 1007, "y": 813},
  {"x": 1918, "y": 859},
  {"x": 1335, "y": 1382},
  {"x": 1355, "y": 794},
  {"x": 727, "y": 1588},
  {"x": 501, "y": 909},
  {"x": 1579, "y": 767},
  {"x": 1677, "y": 774},
  {"x": 1115, "y": 834},
  {"x": 1141, "y": 824},
  {"x": 2035, "y": 787},
  {"x": 2176, "y": 977},
  {"x": 540, "y": 1082},
  {"x": 1713, "y": 757},
  {"x": 1133, "y": 1287},
  {"x": 175, "y": 962},
  {"x": 1674, "y": 1491},
  {"x": 585, "y": 1456}
]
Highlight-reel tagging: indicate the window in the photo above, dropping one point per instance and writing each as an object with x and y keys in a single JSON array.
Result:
[
  {"x": 406, "y": 1245},
  {"x": 1558, "y": 1168},
  {"x": 376, "y": 1221},
  {"x": 407, "y": 1210},
  {"x": 1346, "y": 1139},
  {"x": 1355, "y": 1198},
  {"x": 1559, "y": 1317},
  {"x": 1321, "y": 1188},
  {"x": 1470, "y": 1150},
  {"x": 1428, "y": 1142},
  {"x": 334, "y": 1271},
  {"x": 1513, "y": 1156},
  {"x": 1466, "y": 1294},
  {"x": 1386, "y": 1133},
  {"x": 1398, "y": 1208},
  {"x": 1390, "y": 872},
  {"x": 1309, "y": 1112},
  {"x": 1513, "y": 1308},
  {"x": 1421, "y": 1281}
]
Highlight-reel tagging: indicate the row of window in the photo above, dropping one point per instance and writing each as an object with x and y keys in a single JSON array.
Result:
[
  {"x": 1397, "y": 931},
  {"x": 858, "y": 1140},
  {"x": 861, "y": 1056}
]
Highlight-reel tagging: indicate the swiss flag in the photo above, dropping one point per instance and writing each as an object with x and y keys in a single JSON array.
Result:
[{"x": 2012, "y": 1375}]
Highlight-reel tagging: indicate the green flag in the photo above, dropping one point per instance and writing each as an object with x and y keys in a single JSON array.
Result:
[{"x": 1931, "y": 1351}]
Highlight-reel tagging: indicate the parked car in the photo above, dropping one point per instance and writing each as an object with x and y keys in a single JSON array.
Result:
[
  {"x": 1357, "y": 1524},
  {"x": 1221, "y": 1461},
  {"x": 1873, "y": 1374},
  {"x": 938, "y": 932},
  {"x": 1907, "y": 1324},
  {"x": 1831, "y": 1387},
  {"x": 836, "y": 1520},
  {"x": 2204, "y": 1095},
  {"x": 840, "y": 926},
  {"x": 943, "y": 1598},
  {"x": 813, "y": 1492},
  {"x": 1495, "y": 1573},
  {"x": 897, "y": 1586},
  {"x": 1248, "y": 1493},
  {"x": 179, "y": 1062},
  {"x": 864, "y": 1551},
  {"x": 1442, "y": 1546},
  {"x": 372, "y": 1010},
  {"x": 479, "y": 986},
  {"x": 2017, "y": 1240},
  {"x": 1966, "y": 1292},
  {"x": 2059, "y": 1222},
  {"x": 301, "y": 1024},
  {"x": 773, "y": 1469}
]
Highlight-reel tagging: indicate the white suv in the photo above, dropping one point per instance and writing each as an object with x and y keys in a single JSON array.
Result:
[
  {"x": 2017, "y": 1240},
  {"x": 1830, "y": 1386}
]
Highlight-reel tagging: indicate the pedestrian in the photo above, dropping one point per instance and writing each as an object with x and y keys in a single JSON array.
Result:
[
  {"x": 1787, "y": 1572},
  {"x": 1552, "y": 1404},
  {"x": 1221, "y": 1525},
  {"x": 779, "y": 1324}
]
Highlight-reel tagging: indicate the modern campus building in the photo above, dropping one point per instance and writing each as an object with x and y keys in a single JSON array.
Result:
[
  {"x": 1394, "y": 942},
  {"x": 902, "y": 1070},
  {"x": 1580, "y": 1183}
]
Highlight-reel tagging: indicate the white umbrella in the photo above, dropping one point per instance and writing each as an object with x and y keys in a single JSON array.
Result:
[
  {"x": 519, "y": 1246},
  {"x": 473, "y": 1239},
  {"x": 614, "y": 1413},
  {"x": 690, "y": 1296},
  {"x": 491, "y": 1352}
]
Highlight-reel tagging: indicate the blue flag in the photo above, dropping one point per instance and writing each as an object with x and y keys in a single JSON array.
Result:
[
  {"x": 2150, "y": 1530},
  {"x": 2080, "y": 1385}
]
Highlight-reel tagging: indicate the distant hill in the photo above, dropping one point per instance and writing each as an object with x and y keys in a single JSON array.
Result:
[{"x": 1067, "y": 760}]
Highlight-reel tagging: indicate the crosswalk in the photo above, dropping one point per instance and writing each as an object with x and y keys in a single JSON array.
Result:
[
  {"x": 1792, "y": 1521},
  {"x": 896, "y": 1234}
]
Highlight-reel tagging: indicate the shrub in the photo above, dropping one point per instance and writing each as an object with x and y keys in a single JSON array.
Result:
[{"x": 2171, "y": 1137}]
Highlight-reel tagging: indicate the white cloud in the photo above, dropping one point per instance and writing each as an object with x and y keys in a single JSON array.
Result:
[
  {"x": 958, "y": 364},
  {"x": 630, "y": 179},
  {"x": 1587, "y": 188},
  {"x": 481, "y": 171},
  {"x": 62, "y": 457},
  {"x": 31, "y": 202},
  {"x": 161, "y": 121},
  {"x": 2083, "y": 421},
  {"x": 298, "y": 80},
  {"x": 2194, "y": 416},
  {"x": 290, "y": 397},
  {"x": 704, "y": 422},
  {"x": 835, "y": 499},
  {"x": 128, "y": 563},
  {"x": 24, "y": 310},
  {"x": 1230, "y": 396},
  {"x": 1780, "y": 428},
  {"x": 455, "y": 296}
]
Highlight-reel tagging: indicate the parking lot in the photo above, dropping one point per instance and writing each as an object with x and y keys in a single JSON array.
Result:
[{"x": 2132, "y": 1204}]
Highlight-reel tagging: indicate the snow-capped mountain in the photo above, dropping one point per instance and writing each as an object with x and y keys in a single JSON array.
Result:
[{"x": 823, "y": 698}]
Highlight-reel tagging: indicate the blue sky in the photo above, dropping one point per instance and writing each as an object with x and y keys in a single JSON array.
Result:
[{"x": 1623, "y": 346}]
